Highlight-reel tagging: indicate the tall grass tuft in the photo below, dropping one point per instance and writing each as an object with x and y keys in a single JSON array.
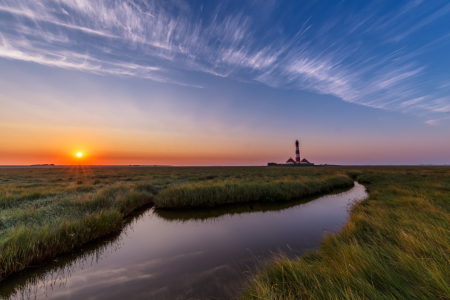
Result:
[
  {"x": 37, "y": 228},
  {"x": 22, "y": 247},
  {"x": 212, "y": 194}
]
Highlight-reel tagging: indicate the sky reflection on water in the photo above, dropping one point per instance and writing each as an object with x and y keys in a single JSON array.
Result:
[{"x": 196, "y": 254}]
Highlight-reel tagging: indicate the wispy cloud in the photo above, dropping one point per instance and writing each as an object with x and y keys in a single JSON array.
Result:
[
  {"x": 157, "y": 39},
  {"x": 434, "y": 16},
  {"x": 45, "y": 18},
  {"x": 437, "y": 121},
  {"x": 72, "y": 60}
]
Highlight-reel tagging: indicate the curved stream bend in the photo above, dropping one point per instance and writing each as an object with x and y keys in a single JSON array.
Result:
[{"x": 185, "y": 254}]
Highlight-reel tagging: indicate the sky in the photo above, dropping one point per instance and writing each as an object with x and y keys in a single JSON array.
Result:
[{"x": 224, "y": 82}]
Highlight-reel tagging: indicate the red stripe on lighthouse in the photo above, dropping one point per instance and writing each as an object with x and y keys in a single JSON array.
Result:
[{"x": 297, "y": 152}]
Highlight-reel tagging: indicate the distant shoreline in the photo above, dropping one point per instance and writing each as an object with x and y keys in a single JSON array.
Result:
[{"x": 223, "y": 166}]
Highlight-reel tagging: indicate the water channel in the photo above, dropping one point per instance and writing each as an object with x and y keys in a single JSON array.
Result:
[{"x": 191, "y": 254}]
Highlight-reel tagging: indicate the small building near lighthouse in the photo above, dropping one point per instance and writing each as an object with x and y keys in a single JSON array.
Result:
[
  {"x": 305, "y": 161},
  {"x": 290, "y": 161}
]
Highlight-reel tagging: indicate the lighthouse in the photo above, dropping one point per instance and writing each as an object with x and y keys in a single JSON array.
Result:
[{"x": 296, "y": 162}]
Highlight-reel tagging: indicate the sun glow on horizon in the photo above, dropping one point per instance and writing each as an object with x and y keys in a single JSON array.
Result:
[{"x": 79, "y": 154}]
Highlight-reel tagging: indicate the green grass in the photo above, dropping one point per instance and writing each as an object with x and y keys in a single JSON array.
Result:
[
  {"x": 36, "y": 230},
  {"x": 396, "y": 245},
  {"x": 65, "y": 264},
  {"x": 205, "y": 194},
  {"x": 49, "y": 211},
  {"x": 209, "y": 214},
  {"x": 45, "y": 212}
]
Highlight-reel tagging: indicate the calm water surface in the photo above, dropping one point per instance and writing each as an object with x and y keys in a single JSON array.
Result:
[{"x": 194, "y": 254}]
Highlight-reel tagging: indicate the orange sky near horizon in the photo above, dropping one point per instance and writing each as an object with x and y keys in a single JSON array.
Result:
[
  {"x": 35, "y": 145},
  {"x": 26, "y": 145}
]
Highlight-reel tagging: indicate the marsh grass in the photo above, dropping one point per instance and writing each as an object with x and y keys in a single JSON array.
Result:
[
  {"x": 45, "y": 217},
  {"x": 205, "y": 194},
  {"x": 43, "y": 229},
  {"x": 63, "y": 266},
  {"x": 396, "y": 245},
  {"x": 48, "y": 211},
  {"x": 215, "y": 213}
]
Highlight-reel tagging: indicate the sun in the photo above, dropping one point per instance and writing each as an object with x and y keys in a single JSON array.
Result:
[{"x": 79, "y": 154}]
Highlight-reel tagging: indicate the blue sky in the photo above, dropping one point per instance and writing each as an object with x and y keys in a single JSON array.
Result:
[{"x": 373, "y": 75}]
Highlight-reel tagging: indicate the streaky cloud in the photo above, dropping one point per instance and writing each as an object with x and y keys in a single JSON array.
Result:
[{"x": 358, "y": 55}]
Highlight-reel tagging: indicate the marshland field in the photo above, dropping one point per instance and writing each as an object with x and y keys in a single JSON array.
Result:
[{"x": 394, "y": 244}]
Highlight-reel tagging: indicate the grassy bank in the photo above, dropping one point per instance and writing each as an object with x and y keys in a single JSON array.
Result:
[
  {"x": 396, "y": 245},
  {"x": 64, "y": 266},
  {"x": 217, "y": 212},
  {"x": 48, "y": 211},
  {"x": 239, "y": 191},
  {"x": 35, "y": 230}
]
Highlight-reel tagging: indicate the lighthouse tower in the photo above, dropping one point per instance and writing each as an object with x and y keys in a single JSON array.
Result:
[{"x": 297, "y": 153}]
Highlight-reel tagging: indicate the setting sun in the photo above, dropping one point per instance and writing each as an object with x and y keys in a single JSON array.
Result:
[{"x": 79, "y": 154}]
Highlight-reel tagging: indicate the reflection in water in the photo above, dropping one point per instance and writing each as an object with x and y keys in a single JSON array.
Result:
[
  {"x": 50, "y": 276},
  {"x": 211, "y": 214},
  {"x": 200, "y": 254}
]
